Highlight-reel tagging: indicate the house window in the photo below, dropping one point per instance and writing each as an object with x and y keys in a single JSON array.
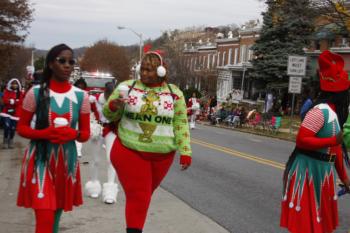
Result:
[
  {"x": 236, "y": 56},
  {"x": 230, "y": 56},
  {"x": 214, "y": 58},
  {"x": 250, "y": 53},
  {"x": 318, "y": 45},
  {"x": 243, "y": 53},
  {"x": 223, "y": 58},
  {"x": 208, "y": 66},
  {"x": 218, "y": 62},
  {"x": 344, "y": 42}
]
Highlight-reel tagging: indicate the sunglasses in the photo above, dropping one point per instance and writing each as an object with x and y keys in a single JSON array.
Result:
[{"x": 63, "y": 61}]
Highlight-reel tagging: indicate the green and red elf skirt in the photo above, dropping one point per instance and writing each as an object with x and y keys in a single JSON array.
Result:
[{"x": 309, "y": 202}]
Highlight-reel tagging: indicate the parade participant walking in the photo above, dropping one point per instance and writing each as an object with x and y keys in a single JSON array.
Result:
[
  {"x": 12, "y": 100},
  {"x": 193, "y": 107},
  {"x": 50, "y": 174},
  {"x": 153, "y": 125},
  {"x": 103, "y": 138},
  {"x": 310, "y": 197},
  {"x": 80, "y": 83}
]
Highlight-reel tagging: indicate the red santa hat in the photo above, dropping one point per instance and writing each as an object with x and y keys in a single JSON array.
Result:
[{"x": 333, "y": 78}]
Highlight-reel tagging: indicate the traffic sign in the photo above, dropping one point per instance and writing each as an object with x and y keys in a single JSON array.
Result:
[
  {"x": 296, "y": 65},
  {"x": 295, "y": 85}
]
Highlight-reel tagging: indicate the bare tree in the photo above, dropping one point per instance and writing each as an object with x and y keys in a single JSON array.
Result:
[
  {"x": 15, "y": 17},
  {"x": 108, "y": 57},
  {"x": 334, "y": 11}
]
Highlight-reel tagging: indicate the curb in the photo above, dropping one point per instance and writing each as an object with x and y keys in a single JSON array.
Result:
[{"x": 248, "y": 132}]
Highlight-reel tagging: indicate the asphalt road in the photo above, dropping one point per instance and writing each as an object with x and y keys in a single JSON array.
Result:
[{"x": 236, "y": 180}]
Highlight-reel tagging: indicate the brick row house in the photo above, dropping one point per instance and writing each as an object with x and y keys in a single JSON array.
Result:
[{"x": 222, "y": 67}]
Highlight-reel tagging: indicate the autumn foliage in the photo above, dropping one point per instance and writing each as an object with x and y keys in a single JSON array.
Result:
[{"x": 105, "y": 56}]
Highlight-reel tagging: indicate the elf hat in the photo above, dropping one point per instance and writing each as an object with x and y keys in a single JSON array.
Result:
[{"x": 333, "y": 78}]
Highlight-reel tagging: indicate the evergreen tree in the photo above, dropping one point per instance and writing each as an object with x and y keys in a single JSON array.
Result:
[{"x": 287, "y": 27}]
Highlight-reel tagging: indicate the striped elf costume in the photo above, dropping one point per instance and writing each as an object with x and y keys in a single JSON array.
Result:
[
  {"x": 309, "y": 203},
  {"x": 153, "y": 126}
]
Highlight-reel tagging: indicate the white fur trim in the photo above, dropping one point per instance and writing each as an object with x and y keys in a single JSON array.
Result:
[
  {"x": 110, "y": 193},
  {"x": 9, "y": 116},
  {"x": 8, "y": 86},
  {"x": 71, "y": 95},
  {"x": 93, "y": 188}
]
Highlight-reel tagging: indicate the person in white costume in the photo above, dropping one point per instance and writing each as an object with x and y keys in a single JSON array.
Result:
[
  {"x": 103, "y": 135},
  {"x": 193, "y": 107},
  {"x": 80, "y": 83}
]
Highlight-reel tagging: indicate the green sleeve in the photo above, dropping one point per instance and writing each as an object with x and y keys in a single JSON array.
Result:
[
  {"x": 346, "y": 129},
  {"x": 181, "y": 129},
  {"x": 110, "y": 115}
]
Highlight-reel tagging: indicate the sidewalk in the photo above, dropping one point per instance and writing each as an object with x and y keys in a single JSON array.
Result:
[{"x": 167, "y": 214}]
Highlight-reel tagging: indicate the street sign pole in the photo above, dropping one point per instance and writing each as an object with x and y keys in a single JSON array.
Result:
[
  {"x": 291, "y": 115},
  {"x": 296, "y": 70}
]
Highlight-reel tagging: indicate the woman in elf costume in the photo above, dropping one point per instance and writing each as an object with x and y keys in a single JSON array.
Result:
[
  {"x": 50, "y": 175},
  {"x": 153, "y": 126},
  {"x": 309, "y": 202}
]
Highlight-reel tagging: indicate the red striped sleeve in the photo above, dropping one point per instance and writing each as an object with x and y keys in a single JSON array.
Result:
[
  {"x": 85, "y": 107},
  {"x": 314, "y": 120},
  {"x": 29, "y": 102}
]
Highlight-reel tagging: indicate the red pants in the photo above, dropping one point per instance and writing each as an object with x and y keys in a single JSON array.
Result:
[{"x": 139, "y": 174}]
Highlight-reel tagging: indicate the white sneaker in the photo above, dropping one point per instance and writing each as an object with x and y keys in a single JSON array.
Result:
[
  {"x": 110, "y": 193},
  {"x": 93, "y": 188}
]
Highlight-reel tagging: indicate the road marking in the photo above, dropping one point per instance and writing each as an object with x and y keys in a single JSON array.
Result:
[
  {"x": 254, "y": 140},
  {"x": 239, "y": 154}
]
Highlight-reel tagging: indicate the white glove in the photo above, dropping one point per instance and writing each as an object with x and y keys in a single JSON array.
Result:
[
  {"x": 12, "y": 101},
  {"x": 92, "y": 99}
]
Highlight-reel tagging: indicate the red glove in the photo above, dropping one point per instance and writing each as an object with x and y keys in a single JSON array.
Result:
[
  {"x": 307, "y": 139},
  {"x": 64, "y": 135},
  {"x": 185, "y": 161}
]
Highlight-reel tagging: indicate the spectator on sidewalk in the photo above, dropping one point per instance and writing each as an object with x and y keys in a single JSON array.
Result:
[
  {"x": 50, "y": 175},
  {"x": 10, "y": 113},
  {"x": 309, "y": 202},
  {"x": 153, "y": 126},
  {"x": 307, "y": 103}
]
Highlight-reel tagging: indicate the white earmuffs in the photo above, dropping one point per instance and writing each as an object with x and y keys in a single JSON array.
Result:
[{"x": 161, "y": 71}]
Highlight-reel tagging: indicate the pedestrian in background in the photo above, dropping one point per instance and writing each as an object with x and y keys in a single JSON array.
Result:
[
  {"x": 307, "y": 103},
  {"x": 193, "y": 107},
  {"x": 103, "y": 134},
  {"x": 81, "y": 84},
  {"x": 50, "y": 174},
  {"x": 309, "y": 202},
  {"x": 12, "y": 100},
  {"x": 153, "y": 126}
]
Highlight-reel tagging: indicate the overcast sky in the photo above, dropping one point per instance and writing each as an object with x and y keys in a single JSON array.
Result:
[{"x": 83, "y": 22}]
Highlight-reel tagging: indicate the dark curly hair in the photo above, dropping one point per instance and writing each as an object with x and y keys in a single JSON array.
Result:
[{"x": 43, "y": 103}]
